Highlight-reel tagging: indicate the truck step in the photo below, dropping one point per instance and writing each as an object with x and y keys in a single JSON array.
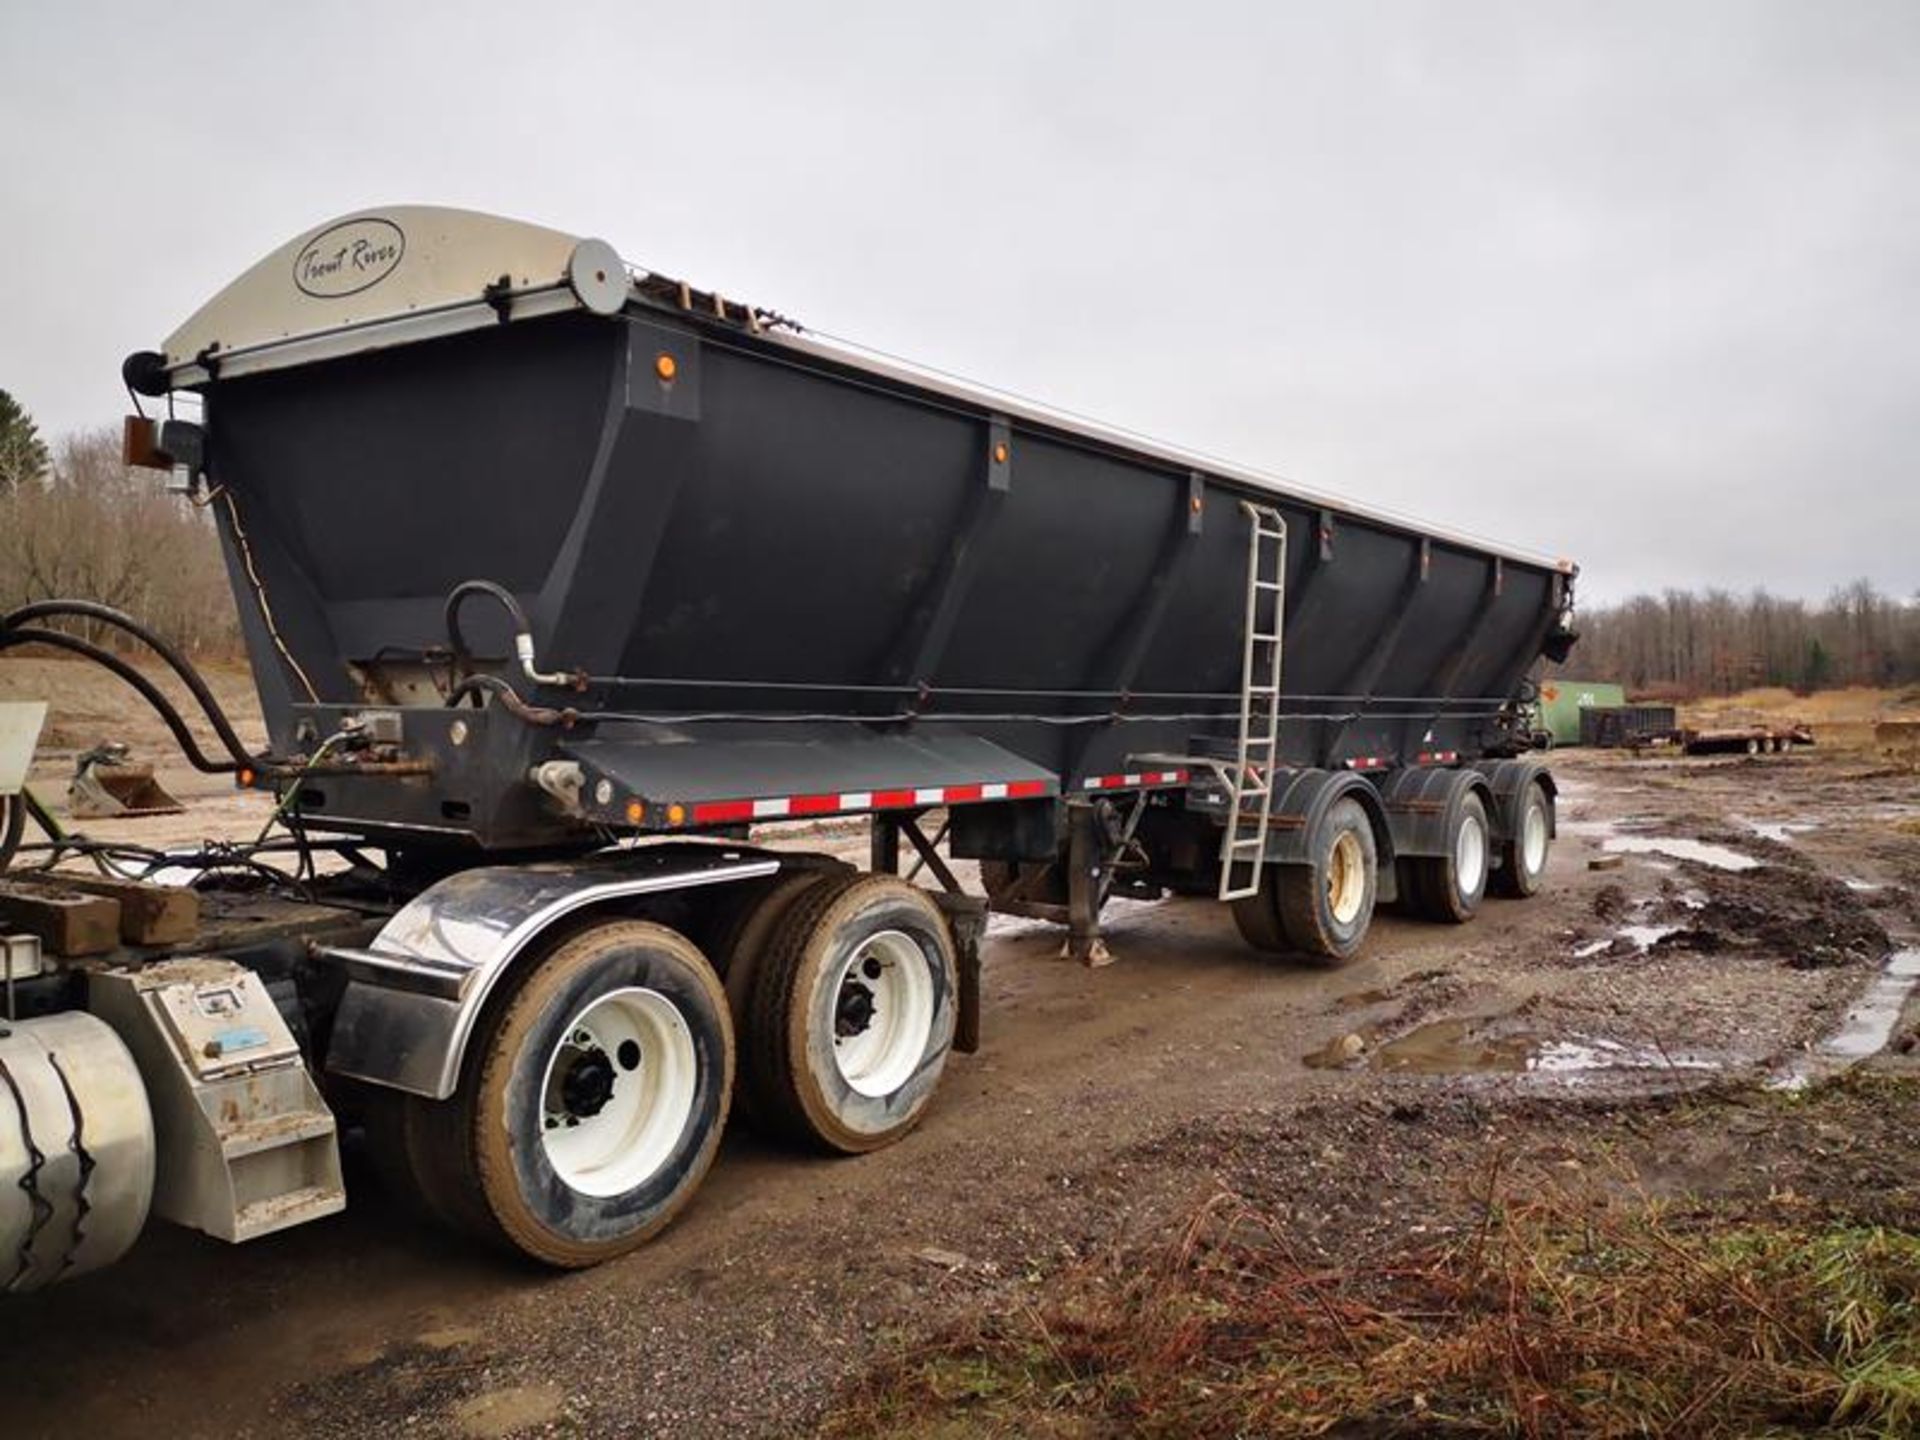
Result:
[
  {"x": 279, "y": 1212},
  {"x": 247, "y": 1145},
  {"x": 275, "y": 1132}
]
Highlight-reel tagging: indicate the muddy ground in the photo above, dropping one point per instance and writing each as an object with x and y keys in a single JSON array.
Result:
[{"x": 1663, "y": 993}]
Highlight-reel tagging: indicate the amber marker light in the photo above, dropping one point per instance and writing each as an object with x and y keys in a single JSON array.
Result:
[
  {"x": 676, "y": 814},
  {"x": 1000, "y": 453},
  {"x": 664, "y": 366},
  {"x": 636, "y": 811},
  {"x": 244, "y": 777}
]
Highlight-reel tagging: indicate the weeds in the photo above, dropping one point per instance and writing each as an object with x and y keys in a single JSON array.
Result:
[{"x": 1552, "y": 1316}]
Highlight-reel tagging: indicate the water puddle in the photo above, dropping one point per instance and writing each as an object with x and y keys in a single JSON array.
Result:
[
  {"x": 1867, "y": 1028},
  {"x": 1602, "y": 829},
  {"x": 1465, "y": 1047},
  {"x": 1870, "y": 1023},
  {"x": 1609, "y": 834},
  {"x": 1720, "y": 857}
]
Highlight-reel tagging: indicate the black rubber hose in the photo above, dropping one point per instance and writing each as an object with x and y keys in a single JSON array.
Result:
[
  {"x": 178, "y": 663},
  {"x": 12, "y": 635},
  {"x": 458, "y": 596},
  {"x": 510, "y": 701}
]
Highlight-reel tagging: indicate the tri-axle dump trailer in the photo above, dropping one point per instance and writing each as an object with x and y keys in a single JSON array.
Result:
[{"x": 561, "y": 582}]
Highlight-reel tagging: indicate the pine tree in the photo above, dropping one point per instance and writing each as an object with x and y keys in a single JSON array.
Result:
[
  {"x": 1819, "y": 668},
  {"x": 23, "y": 454}
]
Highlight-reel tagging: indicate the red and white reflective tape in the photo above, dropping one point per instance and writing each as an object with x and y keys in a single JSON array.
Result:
[
  {"x": 845, "y": 802},
  {"x": 1368, "y": 762},
  {"x": 1136, "y": 780},
  {"x": 1438, "y": 757}
]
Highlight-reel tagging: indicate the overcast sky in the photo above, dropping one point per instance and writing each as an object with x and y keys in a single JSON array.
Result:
[{"x": 1638, "y": 284}]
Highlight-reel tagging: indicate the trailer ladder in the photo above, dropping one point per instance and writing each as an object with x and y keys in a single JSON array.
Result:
[{"x": 1243, "y": 846}]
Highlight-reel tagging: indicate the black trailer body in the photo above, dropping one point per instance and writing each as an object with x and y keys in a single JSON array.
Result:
[
  {"x": 772, "y": 554},
  {"x": 558, "y": 579}
]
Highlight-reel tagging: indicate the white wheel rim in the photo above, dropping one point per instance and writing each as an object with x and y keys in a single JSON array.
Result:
[
  {"x": 1470, "y": 855},
  {"x": 618, "y": 1092},
  {"x": 882, "y": 1013},
  {"x": 1346, "y": 878},
  {"x": 1533, "y": 839}
]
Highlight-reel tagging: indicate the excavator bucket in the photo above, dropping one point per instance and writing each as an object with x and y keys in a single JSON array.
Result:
[{"x": 106, "y": 786}]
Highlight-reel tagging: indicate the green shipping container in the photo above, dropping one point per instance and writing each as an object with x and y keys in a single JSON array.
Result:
[{"x": 1561, "y": 702}]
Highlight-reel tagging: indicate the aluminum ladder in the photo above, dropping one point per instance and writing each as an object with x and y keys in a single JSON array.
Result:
[{"x": 1243, "y": 846}]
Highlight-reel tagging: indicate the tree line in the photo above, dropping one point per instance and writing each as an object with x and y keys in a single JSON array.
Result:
[
  {"x": 1715, "y": 642},
  {"x": 78, "y": 524}
]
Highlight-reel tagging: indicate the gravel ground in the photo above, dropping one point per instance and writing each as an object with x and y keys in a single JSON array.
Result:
[{"x": 1103, "y": 1104}]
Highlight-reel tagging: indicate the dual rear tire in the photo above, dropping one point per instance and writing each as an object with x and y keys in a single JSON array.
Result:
[
  {"x": 1448, "y": 888},
  {"x": 590, "y": 1105},
  {"x": 1523, "y": 855},
  {"x": 851, "y": 1015},
  {"x": 1319, "y": 910},
  {"x": 593, "y": 1095}
]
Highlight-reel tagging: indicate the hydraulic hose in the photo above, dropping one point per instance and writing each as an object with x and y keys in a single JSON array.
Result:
[
  {"x": 11, "y": 635},
  {"x": 178, "y": 663},
  {"x": 522, "y": 634},
  {"x": 510, "y": 701}
]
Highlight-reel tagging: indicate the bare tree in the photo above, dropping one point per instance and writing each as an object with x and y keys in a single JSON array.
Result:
[
  {"x": 1717, "y": 643},
  {"x": 90, "y": 528}
]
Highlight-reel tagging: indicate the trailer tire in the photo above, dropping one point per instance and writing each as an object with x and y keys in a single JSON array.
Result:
[
  {"x": 853, "y": 1015},
  {"x": 1257, "y": 916},
  {"x": 1326, "y": 905},
  {"x": 419, "y": 1151},
  {"x": 492, "y": 1160},
  {"x": 738, "y": 947},
  {"x": 1523, "y": 856},
  {"x": 1448, "y": 888}
]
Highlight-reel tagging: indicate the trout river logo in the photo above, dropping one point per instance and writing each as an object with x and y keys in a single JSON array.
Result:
[{"x": 347, "y": 258}]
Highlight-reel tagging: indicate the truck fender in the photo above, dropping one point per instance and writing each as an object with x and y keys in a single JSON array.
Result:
[
  {"x": 1301, "y": 800},
  {"x": 1508, "y": 781},
  {"x": 414, "y": 996},
  {"x": 1422, "y": 804}
]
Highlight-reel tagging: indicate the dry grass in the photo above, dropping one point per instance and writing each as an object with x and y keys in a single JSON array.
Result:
[
  {"x": 1551, "y": 1318},
  {"x": 1842, "y": 718}
]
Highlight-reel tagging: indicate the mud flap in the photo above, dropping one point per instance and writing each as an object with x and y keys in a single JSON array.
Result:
[{"x": 967, "y": 918}]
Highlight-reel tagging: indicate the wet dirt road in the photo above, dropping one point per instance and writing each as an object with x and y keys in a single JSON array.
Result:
[{"x": 1665, "y": 970}]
